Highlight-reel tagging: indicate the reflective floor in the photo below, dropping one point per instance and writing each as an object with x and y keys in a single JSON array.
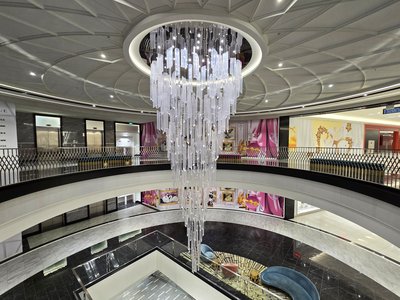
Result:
[
  {"x": 45, "y": 237},
  {"x": 333, "y": 279},
  {"x": 348, "y": 230}
]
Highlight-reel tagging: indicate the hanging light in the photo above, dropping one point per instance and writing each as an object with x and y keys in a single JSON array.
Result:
[{"x": 194, "y": 83}]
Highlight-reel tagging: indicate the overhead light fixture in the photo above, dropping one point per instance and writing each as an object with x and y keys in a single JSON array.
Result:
[
  {"x": 194, "y": 101},
  {"x": 102, "y": 55},
  {"x": 93, "y": 105},
  {"x": 266, "y": 100},
  {"x": 111, "y": 96},
  {"x": 280, "y": 65},
  {"x": 330, "y": 85},
  {"x": 365, "y": 95},
  {"x": 32, "y": 73}
]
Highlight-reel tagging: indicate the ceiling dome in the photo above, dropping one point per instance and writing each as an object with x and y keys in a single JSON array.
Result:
[{"x": 312, "y": 52}]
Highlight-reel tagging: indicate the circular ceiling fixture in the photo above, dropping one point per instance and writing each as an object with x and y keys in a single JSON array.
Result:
[{"x": 137, "y": 43}]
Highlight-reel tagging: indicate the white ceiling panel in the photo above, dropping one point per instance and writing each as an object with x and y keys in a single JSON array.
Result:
[{"x": 354, "y": 45}]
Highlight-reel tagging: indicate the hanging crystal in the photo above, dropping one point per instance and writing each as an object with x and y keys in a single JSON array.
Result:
[{"x": 195, "y": 81}]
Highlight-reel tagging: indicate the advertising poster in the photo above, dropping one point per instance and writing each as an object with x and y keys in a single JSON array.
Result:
[
  {"x": 228, "y": 198},
  {"x": 150, "y": 198},
  {"x": 168, "y": 197},
  {"x": 252, "y": 137},
  {"x": 337, "y": 134}
]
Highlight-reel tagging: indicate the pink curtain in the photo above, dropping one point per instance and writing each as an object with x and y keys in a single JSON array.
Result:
[
  {"x": 272, "y": 205},
  {"x": 271, "y": 137},
  {"x": 264, "y": 137},
  {"x": 148, "y": 135}
]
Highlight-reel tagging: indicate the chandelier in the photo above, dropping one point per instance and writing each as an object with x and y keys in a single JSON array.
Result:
[{"x": 194, "y": 83}]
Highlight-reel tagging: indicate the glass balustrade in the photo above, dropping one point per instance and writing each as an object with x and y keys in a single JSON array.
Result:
[{"x": 233, "y": 282}]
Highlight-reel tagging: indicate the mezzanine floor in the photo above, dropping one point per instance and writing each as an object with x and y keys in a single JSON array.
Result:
[{"x": 333, "y": 279}]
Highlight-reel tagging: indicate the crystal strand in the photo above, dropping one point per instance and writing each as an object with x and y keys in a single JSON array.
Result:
[{"x": 194, "y": 93}]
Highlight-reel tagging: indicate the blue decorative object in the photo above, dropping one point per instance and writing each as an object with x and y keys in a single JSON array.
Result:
[
  {"x": 297, "y": 285},
  {"x": 207, "y": 254}
]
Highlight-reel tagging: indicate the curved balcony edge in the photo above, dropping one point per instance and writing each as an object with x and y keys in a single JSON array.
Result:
[
  {"x": 381, "y": 192},
  {"x": 372, "y": 265}
]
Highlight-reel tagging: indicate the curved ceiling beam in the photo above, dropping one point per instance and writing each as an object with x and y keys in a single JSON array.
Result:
[
  {"x": 325, "y": 7},
  {"x": 308, "y": 82},
  {"x": 117, "y": 81},
  {"x": 342, "y": 25},
  {"x": 64, "y": 34},
  {"x": 289, "y": 88},
  {"x": 59, "y": 9},
  {"x": 337, "y": 57},
  {"x": 265, "y": 90}
]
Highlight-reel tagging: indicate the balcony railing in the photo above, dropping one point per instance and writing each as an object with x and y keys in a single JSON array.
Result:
[
  {"x": 100, "y": 267},
  {"x": 24, "y": 164}
]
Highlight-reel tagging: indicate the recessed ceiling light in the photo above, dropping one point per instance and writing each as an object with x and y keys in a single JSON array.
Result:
[
  {"x": 280, "y": 65},
  {"x": 111, "y": 96},
  {"x": 365, "y": 95},
  {"x": 279, "y": 1},
  {"x": 330, "y": 85},
  {"x": 32, "y": 73},
  {"x": 141, "y": 111},
  {"x": 266, "y": 100},
  {"x": 103, "y": 55},
  {"x": 94, "y": 105}
]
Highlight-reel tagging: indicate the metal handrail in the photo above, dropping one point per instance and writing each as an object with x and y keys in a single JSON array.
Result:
[{"x": 377, "y": 166}]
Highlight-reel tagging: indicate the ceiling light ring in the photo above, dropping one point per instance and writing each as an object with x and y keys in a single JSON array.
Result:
[{"x": 257, "y": 41}]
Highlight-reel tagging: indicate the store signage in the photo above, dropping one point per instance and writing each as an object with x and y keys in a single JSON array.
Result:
[
  {"x": 393, "y": 110},
  {"x": 8, "y": 126}
]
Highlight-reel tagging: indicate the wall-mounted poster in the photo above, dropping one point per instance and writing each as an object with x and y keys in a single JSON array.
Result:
[
  {"x": 227, "y": 146},
  {"x": 212, "y": 198},
  {"x": 230, "y": 134},
  {"x": 316, "y": 132},
  {"x": 150, "y": 198},
  {"x": 251, "y": 138},
  {"x": 254, "y": 201},
  {"x": 168, "y": 197},
  {"x": 229, "y": 198},
  {"x": 273, "y": 205},
  {"x": 227, "y": 195}
]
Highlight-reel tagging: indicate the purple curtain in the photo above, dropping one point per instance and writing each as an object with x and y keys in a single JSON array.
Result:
[
  {"x": 148, "y": 135},
  {"x": 271, "y": 137}
]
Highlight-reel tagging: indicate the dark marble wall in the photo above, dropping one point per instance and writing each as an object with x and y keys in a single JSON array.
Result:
[
  {"x": 283, "y": 131},
  {"x": 73, "y": 132},
  {"x": 26, "y": 130},
  {"x": 109, "y": 132},
  {"x": 289, "y": 208}
]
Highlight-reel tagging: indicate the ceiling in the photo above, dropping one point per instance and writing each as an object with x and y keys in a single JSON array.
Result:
[{"x": 318, "y": 50}]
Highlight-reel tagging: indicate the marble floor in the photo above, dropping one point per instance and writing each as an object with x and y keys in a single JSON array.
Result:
[
  {"x": 48, "y": 236},
  {"x": 341, "y": 227},
  {"x": 333, "y": 279}
]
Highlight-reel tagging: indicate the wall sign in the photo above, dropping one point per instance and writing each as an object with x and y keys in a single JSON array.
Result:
[
  {"x": 394, "y": 110},
  {"x": 8, "y": 126}
]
